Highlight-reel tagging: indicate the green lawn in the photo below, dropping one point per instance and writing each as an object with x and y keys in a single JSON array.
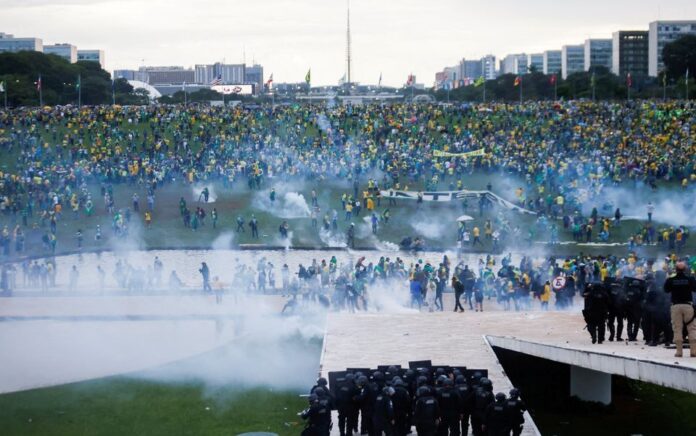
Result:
[
  {"x": 128, "y": 406},
  {"x": 207, "y": 394}
]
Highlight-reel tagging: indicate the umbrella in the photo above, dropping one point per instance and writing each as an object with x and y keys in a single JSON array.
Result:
[{"x": 464, "y": 218}]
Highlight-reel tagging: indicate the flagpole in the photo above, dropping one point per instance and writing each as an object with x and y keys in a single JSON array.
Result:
[
  {"x": 113, "y": 92},
  {"x": 484, "y": 91},
  {"x": 520, "y": 90},
  {"x": 628, "y": 86},
  {"x": 5, "y": 94},
  {"x": 79, "y": 91},
  {"x": 555, "y": 89},
  {"x": 40, "y": 92},
  {"x": 687, "y": 84}
]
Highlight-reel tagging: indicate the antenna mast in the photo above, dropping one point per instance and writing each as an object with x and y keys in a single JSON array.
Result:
[{"x": 348, "y": 48}]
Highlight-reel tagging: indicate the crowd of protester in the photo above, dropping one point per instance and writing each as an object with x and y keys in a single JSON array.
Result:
[{"x": 567, "y": 152}]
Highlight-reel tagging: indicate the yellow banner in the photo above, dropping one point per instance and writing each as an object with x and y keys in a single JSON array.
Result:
[{"x": 438, "y": 153}]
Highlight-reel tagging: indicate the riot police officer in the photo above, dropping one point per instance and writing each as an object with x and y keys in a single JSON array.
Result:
[
  {"x": 483, "y": 397},
  {"x": 383, "y": 418},
  {"x": 466, "y": 405},
  {"x": 426, "y": 412},
  {"x": 318, "y": 416},
  {"x": 450, "y": 405},
  {"x": 595, "y": 311},
  {"x": 634, "y": 291},
  {"x": 616, "y": 314},
  {"x": 515, "y": 408},
  {"x": 345, "y": 404},
  {"x": 402, "y": 408},
  {"x": 495, "y": 422}
]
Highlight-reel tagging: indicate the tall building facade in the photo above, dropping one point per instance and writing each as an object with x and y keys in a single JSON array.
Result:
[
  {"x": 166, "y": 75},
  {"x": 572, "y": 60},
  {"x": 662, "y": 33},
  {"x": 552, "y": 62},
  {"x": 254, "y": 75},
  {"x": 229, "y": 74},
  {"x": 66, "y": 51},
  {"x": 598, "y": 53},
  {"x": 8, "y": 43},
  {"x": 535, "y": 61},
  {"x": 471, "y": 69},
  {"x": 91, "y": 56},
  {"x": 488, "y": 65},
  {"x": 630, "y": 53},
  {"x": 514, "y": 64}
]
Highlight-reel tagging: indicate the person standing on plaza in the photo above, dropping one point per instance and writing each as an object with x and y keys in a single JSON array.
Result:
[{"x": 682, "y": 287}]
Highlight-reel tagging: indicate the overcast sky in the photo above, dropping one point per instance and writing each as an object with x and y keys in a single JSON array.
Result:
[{"x": 391, "y": 37}]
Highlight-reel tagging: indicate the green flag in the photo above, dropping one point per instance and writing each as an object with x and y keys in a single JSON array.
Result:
[
  {"x": 2, "y": 86},
  {"x": 308, "y": 77},
  {"x": 480, "y": 82}
]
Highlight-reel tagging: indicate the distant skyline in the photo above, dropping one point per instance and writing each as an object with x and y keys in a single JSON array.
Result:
[{"x": 389, "y": 37}]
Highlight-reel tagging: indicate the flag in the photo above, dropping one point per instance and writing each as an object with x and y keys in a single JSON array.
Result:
[
  {"x": 687, "y": 74},
  {"x": 480, "y": 82},
  {"x": 411, "y": 79},
  {"x": 2, "y": 86},
  {"x": 217, "y": 80},
  {"x": 664, "y": 78},
  {"x": 308, "y": 76},
  {"x": 379, "y": 83},
  {"x": 593, "y": 80},
  {"x": 78, "y": 83},
  {"x": 629, "y": 80},
  {"x": 342, "y": 80},
  {"x": 553, "y": 79},
  {"x": 518, "y": 80},
  {"x": 38, "y": 83},
  {"x": 269, "y": 82}
]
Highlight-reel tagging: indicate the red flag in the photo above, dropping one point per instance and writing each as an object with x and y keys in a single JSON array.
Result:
[
  {"x": 553, "y": 79},
  {"x": 629, "y": 80},
  {"x": 410, "y": 80},
  {"x": 518, "y": 81}
]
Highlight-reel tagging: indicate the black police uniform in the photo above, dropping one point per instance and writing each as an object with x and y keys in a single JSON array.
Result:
[
  {"x": 595, "y": 311},
  {"x": 467, "y": 394},
  {"x": 426, "y": 413},
  {"x": 450, "y": 405},
  {"x": 495, "y": 419}
]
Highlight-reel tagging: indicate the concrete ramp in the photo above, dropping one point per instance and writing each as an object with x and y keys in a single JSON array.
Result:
[{"x": 632, "y": 360}]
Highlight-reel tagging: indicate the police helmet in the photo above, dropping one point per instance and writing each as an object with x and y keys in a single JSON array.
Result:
[
  {"x": 378, "y": 376},
  {"x": 421, "y": 380},
  {"x": 388, "y": 390},
  {"x": 460, "y": 380},
  {"x": 440, "y": 380},
  {"x": 350, "y": 377},
  {"x": 448, "y": 382},
  {"x": 362, "y": 380},
  {"x": 500, "y": 396},
  {"x": 514, "y": 393},
  {"x": 485, "y": 382}
]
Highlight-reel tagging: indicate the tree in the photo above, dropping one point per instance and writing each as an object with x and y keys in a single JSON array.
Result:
[
  {"x": 680, "y": 55},
  {"x": 58, "y": 80}
]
